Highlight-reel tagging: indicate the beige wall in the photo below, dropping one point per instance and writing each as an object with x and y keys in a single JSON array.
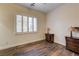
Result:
[
  {"x": 61, "y": 19},
  {"x": 58, "y": 21},
  {"x": 8, "y": 37}
]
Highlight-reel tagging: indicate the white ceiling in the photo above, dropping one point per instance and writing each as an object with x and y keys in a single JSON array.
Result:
[{"x": 43, "y": 7}]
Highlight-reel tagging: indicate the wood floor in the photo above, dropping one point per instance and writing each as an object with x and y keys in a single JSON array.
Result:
[
  {"x": 41, "y": 48},
  {"x": 44, "y": 49}
]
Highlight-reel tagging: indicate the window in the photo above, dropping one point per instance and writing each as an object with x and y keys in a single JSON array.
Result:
[
  {"x": 26, "y": 24},
  {"x": 18, "y": 23},
  {"x": 30, "y": 24}
]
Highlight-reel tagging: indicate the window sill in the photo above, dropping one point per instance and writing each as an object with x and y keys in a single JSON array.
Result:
[{"x": 17, "y": 33}]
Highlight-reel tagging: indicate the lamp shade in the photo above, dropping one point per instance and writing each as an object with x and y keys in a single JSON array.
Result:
[{"x": 72, "y": 28}]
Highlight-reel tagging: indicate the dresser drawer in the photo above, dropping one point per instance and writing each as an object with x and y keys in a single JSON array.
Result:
[
  {"x": 72, "y": 44},
  {"x": 72, "y": 40}
]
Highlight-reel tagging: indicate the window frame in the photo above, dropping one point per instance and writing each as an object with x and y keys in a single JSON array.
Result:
[{"x": 27, "y": 25}]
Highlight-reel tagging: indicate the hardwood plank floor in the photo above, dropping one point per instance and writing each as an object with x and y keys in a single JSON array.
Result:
[
  {"x": 44, "y": 49},
  {"x": 41, "y": 48}
]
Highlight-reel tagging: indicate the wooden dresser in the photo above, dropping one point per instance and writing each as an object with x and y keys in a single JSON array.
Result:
[
  {"x": 72, "y": 44},
  {"x": 49, "y": 37}
]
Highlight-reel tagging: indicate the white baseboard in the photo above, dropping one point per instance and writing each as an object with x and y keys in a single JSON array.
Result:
[
  {"x": 60, "y": 43},
  {"x": 14, "y": 45}
]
